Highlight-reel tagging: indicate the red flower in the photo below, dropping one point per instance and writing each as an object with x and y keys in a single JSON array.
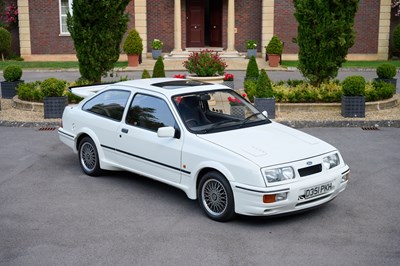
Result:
[
  {"x": 234, "y": 101},
  {"x": 228, "y": 77},
  {"x": 179, "y": 76}
]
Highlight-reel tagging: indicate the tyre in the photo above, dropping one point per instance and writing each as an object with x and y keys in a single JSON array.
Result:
[
  {"x": 89, "y": 157},
  {"x": 215, "y": 197}
]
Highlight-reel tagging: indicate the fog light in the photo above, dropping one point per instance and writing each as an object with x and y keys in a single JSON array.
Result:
[{"x": 271, "y": 198}]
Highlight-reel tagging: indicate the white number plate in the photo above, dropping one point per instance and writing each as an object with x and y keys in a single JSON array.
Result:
[{"x": 316, "y": 191}]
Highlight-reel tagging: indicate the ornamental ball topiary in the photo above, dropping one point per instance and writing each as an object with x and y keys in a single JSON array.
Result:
[
  {"x": 12, "y": 73},
  {"x": 353, "y": 86},
  {"x": 386, "y": 71},
  {"x": 264, "y": 86},
  {"x": 158, "y": 71},
  {"x": 274, "y": 46},
  {"x": 133, "y": 43},
  {"x": 145, "y": 74},
  {"x": 396, "y": 37},
  {"x": 53, "y": 87},
  {"x": 252, "y": 71}
]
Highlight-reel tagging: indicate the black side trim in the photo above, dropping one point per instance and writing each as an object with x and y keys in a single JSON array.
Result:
[
  {"x": 146, "y": 159},
  {"x": 68, "y": 135}
]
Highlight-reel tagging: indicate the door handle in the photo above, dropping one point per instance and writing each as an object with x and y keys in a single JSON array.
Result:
[
  {"x": 124, "y": 130},
  {"x": 214, "y": 27}
]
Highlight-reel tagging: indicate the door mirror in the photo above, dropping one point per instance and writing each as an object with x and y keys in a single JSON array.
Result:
[{"x": 166, "y": 132}]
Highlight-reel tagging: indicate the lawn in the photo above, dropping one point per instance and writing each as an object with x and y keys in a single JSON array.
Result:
[{"x": 49, "y": 65}]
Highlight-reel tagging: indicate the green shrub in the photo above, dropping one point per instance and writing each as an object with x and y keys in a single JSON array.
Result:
[
  {"x": 5, "y": 41},
  {"x": 205, "y": 63},
  {"x": 250, "y": 88},
  {"x": 133, "y": 43},
  {"x": 12, "y": 73},
  {"x": 146, "y": 74},
  {"x": 353, "y": 86},
  {"x": 72, "y": 98},
  {"x": 396, "y": 37},
  {"x": 252, "y": 70},
  {"x": 264, "y": 86},
  {"x": 274, "y": 46},
  {"x": 386, "y": 71},
  {"x": 377, "y": 91},
  {"x": 251, "y": 44},
  {"x": 294, "y": 82},
  {"x": 30, "y": 91},
  {"x": 158, "y": 70},
  {"x": 53, "y": 87}
]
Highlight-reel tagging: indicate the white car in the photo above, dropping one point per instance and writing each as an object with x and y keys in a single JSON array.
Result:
[{"x": 205, "y": 139}]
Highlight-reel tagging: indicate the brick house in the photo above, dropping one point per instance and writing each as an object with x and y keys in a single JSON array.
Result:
[{"x": 182, "y": 24}]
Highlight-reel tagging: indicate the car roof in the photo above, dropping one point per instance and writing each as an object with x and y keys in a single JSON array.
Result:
[{"x": 170, "y": 86}]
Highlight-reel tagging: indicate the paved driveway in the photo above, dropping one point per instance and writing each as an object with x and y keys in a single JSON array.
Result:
[{"x": 52, "y": 214}]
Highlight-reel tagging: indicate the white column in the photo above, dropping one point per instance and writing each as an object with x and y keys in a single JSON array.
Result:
[
  {"x": 141, "y": 23},
  {"x": 24, "y": 29},
  {"x": 267, "y": 23},
  {"x": 231, "y": 27},
  {"x": 177, "y": 27},
  {"x": 384, "y": 30}
]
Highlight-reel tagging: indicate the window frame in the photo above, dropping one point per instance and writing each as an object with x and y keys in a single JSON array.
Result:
[{"x": 64, "y": 33}]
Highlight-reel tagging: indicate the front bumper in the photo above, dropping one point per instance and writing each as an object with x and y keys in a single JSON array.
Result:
[{"x": 249, "y": 200}]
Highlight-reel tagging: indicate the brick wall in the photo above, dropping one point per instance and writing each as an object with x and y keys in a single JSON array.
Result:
[
  {"x": 248, "y": 14},
  {"x": 366, "y": 26},
  {"x": 44, "y": 21},
  {"x": 160, "y": 23}
]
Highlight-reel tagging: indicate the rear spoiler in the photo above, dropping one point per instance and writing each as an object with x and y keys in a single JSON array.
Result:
[{"x": 88, "y": 90}]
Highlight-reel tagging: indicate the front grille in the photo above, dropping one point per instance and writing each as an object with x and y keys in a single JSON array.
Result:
[{"x": 310, "y": 170}]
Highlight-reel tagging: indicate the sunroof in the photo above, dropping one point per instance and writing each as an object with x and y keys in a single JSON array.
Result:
[{"x": 178, "y": 84}]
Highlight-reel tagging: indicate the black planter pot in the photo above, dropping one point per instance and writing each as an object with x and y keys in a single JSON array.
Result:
[
  {"x": 8, "y": 88},
  {"x": 54, "y": 106},
  {"x": 390, "y": 81},
  {"x": 265, "y": 104},
  {"x": 353, "y": 106}
]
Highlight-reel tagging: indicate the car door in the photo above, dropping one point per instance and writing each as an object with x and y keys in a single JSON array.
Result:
[{"x": 141, "y": 149}]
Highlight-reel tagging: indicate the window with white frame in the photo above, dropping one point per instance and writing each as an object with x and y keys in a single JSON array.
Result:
[{"x": 65, "y": 7}]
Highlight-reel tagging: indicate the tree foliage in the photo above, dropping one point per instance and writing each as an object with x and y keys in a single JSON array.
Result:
[
  {"x": 97, "y": 28},
  {"x": 325, "y": 34},
  {"x": 5, "y": 42},
  {"x": 158, "y": 70}
]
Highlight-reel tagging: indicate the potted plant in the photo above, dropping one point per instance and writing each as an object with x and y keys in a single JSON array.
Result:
[
  {"x": 54, "y": 100},
  {"x": 386, "y": 73},
  {"x": 206, "y": 65},
  {"x": 228, "y": 80},
  {"x": 12, "y": 75},
  {"x": 133, "y": 47},
  {"x": 251, "y": 46},
  {"x": 264, "y": 99},
  {"x": 237, "y": 107},
  {"x": 145, "y": 74},
  {"x": 274, "y": 51},
  {"x": 353, "y": 99},
  {"x": 156, "y": 47},
  {"x": 158, "y": 70}
]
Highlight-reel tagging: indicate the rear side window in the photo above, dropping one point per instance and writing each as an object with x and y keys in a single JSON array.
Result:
[{"x": 110, "y": 104}]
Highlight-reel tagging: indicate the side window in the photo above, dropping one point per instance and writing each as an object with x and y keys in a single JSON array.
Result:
[
  {"x": 150, "y": 113},
  {"x": 109, "y": 104},
  {"x": 65, "y": 7}
]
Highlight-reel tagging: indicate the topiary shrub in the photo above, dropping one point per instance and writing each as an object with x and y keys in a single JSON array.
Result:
[
  {"x": 146, "y": 74},
  {"x": 158, "y": 70},
  {"x": 353, "y": 86},
  {"x": 53, "y": 87},
  {"x": 133, "y": 43},
  {"x": 274, "y": 46},
  {"x": 379, "y": 91},
  {"x": 5, "y": 41},
  {"x": 264, "y": 86},
  {"x": 250, "y": 89},
  {"x": 386, "y": 71},
  {"x": 12, "y": 73},
  {"x": 30, "y": 91},
  {"x": 252, "y": 71}
]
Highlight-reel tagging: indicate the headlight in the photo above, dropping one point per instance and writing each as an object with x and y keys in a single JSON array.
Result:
[
  {"x": 331, "y": 161},
  {"x": 278, "y": 174}
]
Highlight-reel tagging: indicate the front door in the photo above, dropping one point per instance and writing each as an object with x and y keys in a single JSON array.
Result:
[
  {"x": 215, "y": 23},
  {"x": 204, "y": 23},
  {"x": 195, "y": 23}
]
